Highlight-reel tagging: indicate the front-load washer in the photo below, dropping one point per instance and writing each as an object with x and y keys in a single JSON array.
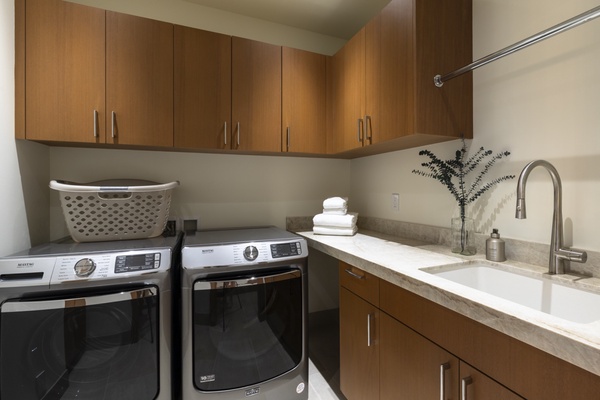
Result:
[
  {"x": 244, "y": 315},
  {"x": 88, "y": 320}
]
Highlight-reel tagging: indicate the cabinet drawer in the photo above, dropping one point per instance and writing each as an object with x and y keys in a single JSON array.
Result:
[{"x": 360, "y": 283}]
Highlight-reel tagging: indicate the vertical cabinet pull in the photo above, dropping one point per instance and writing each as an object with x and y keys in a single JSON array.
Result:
[
  {"x": 368, "y": 330},
  {"x": 357, "y": 276},
  {"x": 360, "y": 129},
  {"x": 113, "y": 131},
  {"x": 368, "y": 129},
  {"x": 443, "y": 368},
  {"x": 95, "y": 123},
  {"x": 463, "y": 387},
  {"x": 238, "y": 134},
  {"x": 288, "y": 137},
  {"x": 225, "y": 134}
]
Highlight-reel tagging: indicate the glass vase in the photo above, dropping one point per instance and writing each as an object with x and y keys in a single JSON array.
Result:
[{"x": 462, "y": 236}]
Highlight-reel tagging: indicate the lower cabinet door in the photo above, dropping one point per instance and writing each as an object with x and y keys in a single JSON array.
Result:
[
  {"x": 359, "y": 347},
  {"x": 476, "y": 385},
  {"x": 414, "y": 368}
]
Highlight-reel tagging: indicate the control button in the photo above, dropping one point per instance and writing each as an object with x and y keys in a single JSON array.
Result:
[
  {"x": 250, "y": 253},
  {"x": 84, "y": 267}
]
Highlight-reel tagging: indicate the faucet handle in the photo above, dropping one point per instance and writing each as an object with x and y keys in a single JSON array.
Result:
[{"x": 575, "y": 255}]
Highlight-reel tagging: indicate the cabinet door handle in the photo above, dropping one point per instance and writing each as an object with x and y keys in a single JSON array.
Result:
[
  {"x": 357, "y": 276},
  {"x": 95, "y": 123},
  {"x": 368, "y": 129},
  {"x": 359, "y": 130},
  {"x": 368, "y": 330},
  {"x": 443, "y": 368},
  {"x": 225, "y": 134},
  {"x": 113, "y": 131},
  {"x": 238, "y": 134},
  {"x": 463, "y": 387},
  {"x": 288, "y": 138}
]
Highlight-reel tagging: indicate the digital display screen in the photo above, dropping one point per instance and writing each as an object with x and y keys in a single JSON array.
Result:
[
  {"x": 137, "y": 262},
  {"x": 285, "y": 249}
]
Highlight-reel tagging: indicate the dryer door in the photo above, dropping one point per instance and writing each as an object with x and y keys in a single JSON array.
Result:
[
  {"x": 246, "y": 329},
  {"x": 93, "y": 347}
]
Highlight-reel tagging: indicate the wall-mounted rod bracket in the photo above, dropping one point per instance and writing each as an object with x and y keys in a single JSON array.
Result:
[{"x": 571, "y": 23}]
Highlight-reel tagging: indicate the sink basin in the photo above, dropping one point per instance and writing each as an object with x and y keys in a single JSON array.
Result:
[{"x": 538, "y": 293}]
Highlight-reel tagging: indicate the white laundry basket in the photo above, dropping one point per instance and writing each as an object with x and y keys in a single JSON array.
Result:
[{"x": 114, "y": 209}]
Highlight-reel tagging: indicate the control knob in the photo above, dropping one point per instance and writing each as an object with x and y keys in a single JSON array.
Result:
[
  {"x": 250, "y": 253},
  {"x": 84, "y": 267}
]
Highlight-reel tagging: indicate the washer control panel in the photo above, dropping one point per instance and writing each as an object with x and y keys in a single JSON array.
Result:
[
  {"x": 242, "y": 253},
  {"x": 108, "y": 265}
]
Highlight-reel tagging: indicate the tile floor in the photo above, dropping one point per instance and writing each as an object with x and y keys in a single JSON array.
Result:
[{"x": 324, "y": 366}]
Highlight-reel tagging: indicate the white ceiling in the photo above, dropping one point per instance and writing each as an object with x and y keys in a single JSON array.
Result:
[{"x": 337, "y": 18}]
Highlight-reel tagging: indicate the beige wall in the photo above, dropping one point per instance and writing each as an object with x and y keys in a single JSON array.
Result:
[{"x": 221, "y": 190}]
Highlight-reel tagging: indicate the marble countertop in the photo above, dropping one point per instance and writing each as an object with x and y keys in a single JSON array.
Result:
[{"x": 400, "y": 262}]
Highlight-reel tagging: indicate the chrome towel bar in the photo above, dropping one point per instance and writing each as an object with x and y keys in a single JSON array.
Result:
[{"x": 566, "y": 25}]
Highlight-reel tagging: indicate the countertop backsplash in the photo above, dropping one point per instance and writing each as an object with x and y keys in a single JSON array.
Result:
[{"x": 421, "y": 235}]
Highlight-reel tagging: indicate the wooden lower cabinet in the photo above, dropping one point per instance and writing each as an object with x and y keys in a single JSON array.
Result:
[
  {"x": 359, "y": 350},
  {"x": 414, "y": 368},
  {"x": 501, "y": 362},
  {"x": 411, "y": 367}
]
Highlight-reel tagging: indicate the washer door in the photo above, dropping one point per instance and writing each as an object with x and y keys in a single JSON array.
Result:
[
  {"x": 246, "y": 330},
  {"x": 95, "y": 347}
]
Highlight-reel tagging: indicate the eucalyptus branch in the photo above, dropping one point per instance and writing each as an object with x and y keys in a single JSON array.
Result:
[{"x": 457, "y": 169}]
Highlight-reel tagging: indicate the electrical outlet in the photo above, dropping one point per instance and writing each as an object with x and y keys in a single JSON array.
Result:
[{"x": 395, "y": 201}]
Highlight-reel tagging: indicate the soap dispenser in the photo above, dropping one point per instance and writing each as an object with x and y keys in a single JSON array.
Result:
[{"x": 494, "y": 247}]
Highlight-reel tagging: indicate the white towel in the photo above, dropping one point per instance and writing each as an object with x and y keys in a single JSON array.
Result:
[
  {"x": 325, "y": 230},
  {"x": 339, "y": 221},
  {"x": 335, "y": 211},
  {"x": 335, "y": 202}
]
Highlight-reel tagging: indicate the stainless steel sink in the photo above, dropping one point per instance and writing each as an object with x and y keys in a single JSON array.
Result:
[{"x": 536, "y": 292}]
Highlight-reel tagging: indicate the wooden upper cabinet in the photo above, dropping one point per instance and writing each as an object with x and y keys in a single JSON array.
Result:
[
  {"x": 390, "y": 71},
  {"x": 139, "y": 81},
  {"x": 64, "y": 71},
  {"x": 304, "y": 94},
  {"x": 346, "y": 74},
  {"x": 202, "y": 89},
  {"x": 256, "y": 96},
  {"x": 382, "y": 88}
]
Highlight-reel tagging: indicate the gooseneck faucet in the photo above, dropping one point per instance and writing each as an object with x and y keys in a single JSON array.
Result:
[{"x": 558, "y": 254}]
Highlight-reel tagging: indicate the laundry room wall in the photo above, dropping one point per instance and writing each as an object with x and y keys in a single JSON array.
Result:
[{"x": 219, "y": 190}]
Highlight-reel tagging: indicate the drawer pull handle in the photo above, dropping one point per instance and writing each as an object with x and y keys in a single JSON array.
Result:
[
  {"x": 463, "y": 387},
  {"x": 357, "y": 276},
  {"x": 225, "y": 134},
  {"x": 443, "y": 368}
]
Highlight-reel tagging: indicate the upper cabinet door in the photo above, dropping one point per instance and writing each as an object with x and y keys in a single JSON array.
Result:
[
  {"x": 64, "y": 72},
  {"x": 202, "y": 89},
  {"x": 139, "y": 81},
  {"x": 347, "y": 82},
  {"x": 304, "y": 95},
  {"x": 256, "y": 96},
  {"x": 390, "y": 71}
]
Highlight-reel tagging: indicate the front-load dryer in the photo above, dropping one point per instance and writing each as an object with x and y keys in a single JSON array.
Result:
[
  {"x": 88, "y": 320},
  {"x": 244, "y": 314}
]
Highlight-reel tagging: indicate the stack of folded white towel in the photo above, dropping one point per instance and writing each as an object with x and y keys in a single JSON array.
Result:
[{"x": 335, "y": 219}]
